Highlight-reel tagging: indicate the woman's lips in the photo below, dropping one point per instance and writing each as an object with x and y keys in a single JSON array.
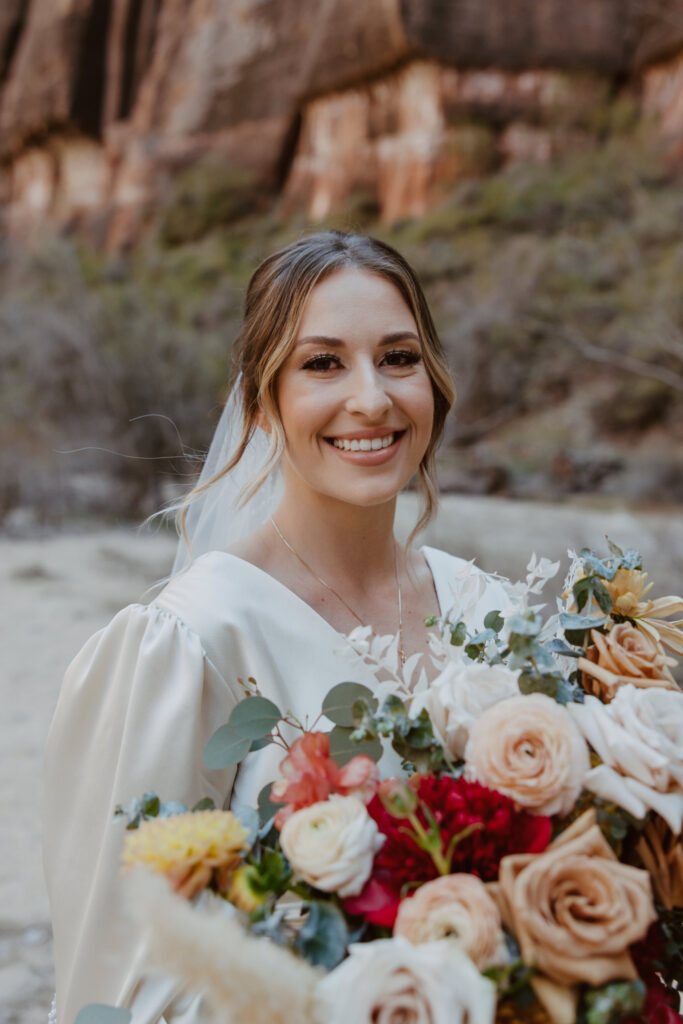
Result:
[{"x": 369, "y": 458}]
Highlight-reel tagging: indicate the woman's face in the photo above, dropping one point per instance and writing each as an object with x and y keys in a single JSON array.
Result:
[{"x": 354, "y": 396}]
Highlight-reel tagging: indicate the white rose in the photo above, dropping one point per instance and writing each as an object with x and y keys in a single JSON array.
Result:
[
  {"x": 529, "y": 748},
  {"x": 459, "y": 695},
  {"x": 392, "y": 980},
  {"x": 332, "y": 844},
  {"x": 639, "y": 738}
]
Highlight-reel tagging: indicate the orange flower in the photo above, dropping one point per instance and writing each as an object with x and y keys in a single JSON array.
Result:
[{"x": 628, "y": 590}]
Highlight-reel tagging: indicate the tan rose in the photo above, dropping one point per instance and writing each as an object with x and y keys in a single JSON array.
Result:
[
  {"x": 575, "y": 910},
  {"x": 530, "y": 749},
  {"x": 458, "y": 908},
  {"x": 624, "y": 655}
]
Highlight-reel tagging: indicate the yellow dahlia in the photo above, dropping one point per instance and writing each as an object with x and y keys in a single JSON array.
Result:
[
  {"x": 628, "y": 590},
  {"x": 188, "y": 848}
]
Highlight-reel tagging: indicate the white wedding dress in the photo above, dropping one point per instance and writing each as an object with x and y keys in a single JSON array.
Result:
[{"x": 136, "y": 710}]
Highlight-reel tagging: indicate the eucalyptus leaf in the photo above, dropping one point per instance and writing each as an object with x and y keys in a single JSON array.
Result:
[
  {"x": 614, "y": 548},
  {"x": 170, "y": 808},
  {"x": 206, "y": 804},
  {"x": 458, "y": 634},
  {"x": 324, "y": 935},
  {"x": 266, "y": 809},
  {"x": 225, "y": 748},
  {"x": 265, "y": 741},
  {"x": 569, "y": 621},
  {"x": 523, "y": 626},
  {"x": 632, "y": 559},
  {"x": 495, "y": 621},
  {"x": 607, "y": 572},
  {"x": 602, "y": 597},
  {"x": 560, "y": 646},
  {"x": 254, "y": 717},
  {"x": 150, "y": 804},
  {"x": 343, "y": 748},
  {"x": 100, "y": 1013},
  {"x": 338, "y": 703}
]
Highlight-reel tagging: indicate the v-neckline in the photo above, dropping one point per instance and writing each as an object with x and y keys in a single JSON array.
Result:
[{"x": 268, "y": 578}]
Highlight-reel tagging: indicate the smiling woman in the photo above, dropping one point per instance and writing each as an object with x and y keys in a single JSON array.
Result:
[{"x": 340, "y": 400}]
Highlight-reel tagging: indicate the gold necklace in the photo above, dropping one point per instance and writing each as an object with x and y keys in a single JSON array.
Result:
[{"x": 401, "y": 650}]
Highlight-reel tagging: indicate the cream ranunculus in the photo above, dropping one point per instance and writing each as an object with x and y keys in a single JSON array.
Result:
[
  {"x": 459, "y": 695},
  {"x": 458, "y": 908},
  {"x": 530, "y": 749},
  {"x": 332, "y": 844},
  {"x": 639, "y": 739},
  {"x": 391, "y": 980}
]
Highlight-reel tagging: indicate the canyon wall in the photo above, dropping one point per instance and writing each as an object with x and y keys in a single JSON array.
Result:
[{"x": 104, "y": 102}]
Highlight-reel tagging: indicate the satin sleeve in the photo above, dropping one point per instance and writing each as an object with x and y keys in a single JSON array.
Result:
[{"x": 136, "y": 709}]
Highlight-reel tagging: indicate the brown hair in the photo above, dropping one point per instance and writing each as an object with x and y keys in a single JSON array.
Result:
[{"x": 276, "y": 298}]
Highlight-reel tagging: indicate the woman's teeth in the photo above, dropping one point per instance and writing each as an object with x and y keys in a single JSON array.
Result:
[{"x": 364, "y": 444}]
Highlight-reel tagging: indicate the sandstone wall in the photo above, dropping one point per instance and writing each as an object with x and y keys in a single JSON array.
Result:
[{"x": 103, "y": 101}]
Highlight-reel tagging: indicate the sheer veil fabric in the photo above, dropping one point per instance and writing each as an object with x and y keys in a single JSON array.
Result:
[{"x": 217, "y": 519}]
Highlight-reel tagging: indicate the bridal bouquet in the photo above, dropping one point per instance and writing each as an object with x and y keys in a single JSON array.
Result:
[{"x": 521, "y": 859}]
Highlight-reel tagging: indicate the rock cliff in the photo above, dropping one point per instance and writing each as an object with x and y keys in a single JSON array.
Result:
[{"x": 102, "y": 102}]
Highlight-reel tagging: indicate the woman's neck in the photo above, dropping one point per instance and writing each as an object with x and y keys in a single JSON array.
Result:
[{"x": 340, "y": 541}]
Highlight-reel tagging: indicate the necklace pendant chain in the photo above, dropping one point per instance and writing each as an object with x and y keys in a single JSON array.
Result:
[{"x": 401, "y": 650}]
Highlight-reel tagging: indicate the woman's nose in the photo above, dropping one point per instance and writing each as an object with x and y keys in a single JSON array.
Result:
[{"x": 367, "y": 394}]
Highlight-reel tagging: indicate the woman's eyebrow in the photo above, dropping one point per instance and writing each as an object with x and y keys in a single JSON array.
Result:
[{"x": 387, "y": 339}]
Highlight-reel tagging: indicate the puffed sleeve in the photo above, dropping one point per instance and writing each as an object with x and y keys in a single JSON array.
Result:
[{"x": 136, "y": 709}]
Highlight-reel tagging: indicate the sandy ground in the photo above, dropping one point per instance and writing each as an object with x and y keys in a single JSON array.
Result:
[{"x": 56, "y": 591}]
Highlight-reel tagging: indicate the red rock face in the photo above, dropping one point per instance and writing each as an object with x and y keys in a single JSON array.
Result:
[{"x": 103, "y": 101}]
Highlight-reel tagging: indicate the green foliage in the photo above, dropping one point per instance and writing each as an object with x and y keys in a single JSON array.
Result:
[
  {"x": 254, "y": 717},
  {"x": 343, "y": 746},
  {"x": 150, "y": 806},
  {"x": 412, "y": 738},
  {"x": 226, "y": 747},
  {"x": 339, "y": 703},
  {"x": 607, "y": 1005},
  {"x": 208, "y": 196},
  {"x": 324, "y": 935}
]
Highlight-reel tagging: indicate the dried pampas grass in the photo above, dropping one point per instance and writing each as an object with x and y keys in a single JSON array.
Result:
[{"x": 244, "y": 978}]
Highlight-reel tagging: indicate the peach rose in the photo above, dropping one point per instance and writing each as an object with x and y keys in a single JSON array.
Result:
[
  {"x": 459, "y": 908},
  {"x": 575, "y": 910},
  {"x": 624, "y": 655},
  {"x": 529, "y": 749}
]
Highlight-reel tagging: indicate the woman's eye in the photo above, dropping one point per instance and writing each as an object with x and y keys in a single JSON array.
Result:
[
  {"x": 322, "y": 362},
  {"x": 402, "y": 357}
]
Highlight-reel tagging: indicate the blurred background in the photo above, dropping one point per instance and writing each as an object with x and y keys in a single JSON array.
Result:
[{"x": 525, "y": 155}]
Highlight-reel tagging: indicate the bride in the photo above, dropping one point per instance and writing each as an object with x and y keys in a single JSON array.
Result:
[{"x": 288, "y": 545}]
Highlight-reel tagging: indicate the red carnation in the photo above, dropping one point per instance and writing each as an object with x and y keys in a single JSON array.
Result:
[{"x": 455, "y": 805}]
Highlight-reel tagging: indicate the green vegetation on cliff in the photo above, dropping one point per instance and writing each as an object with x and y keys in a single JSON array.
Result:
[{"x": 557, "y": 290}]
